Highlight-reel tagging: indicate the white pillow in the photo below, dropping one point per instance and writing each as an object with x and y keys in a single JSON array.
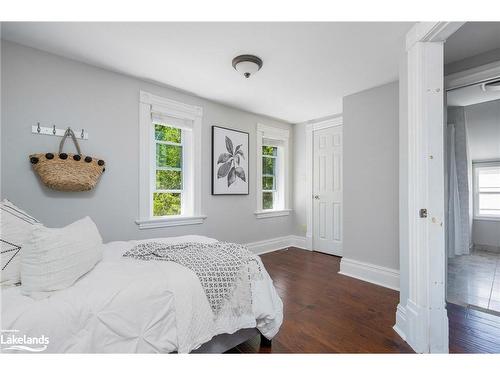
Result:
[
  {"x": 15, "y": 229},
  {"x": 54, "y": 258}
]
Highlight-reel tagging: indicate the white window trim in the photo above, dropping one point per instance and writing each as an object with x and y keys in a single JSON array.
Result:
[
  {"x": 172, "y": 221},
  {"x": 475, "y": 166},
  {"x": 148, "y": 104},
  {"x": 283, "y": 135},
  {"x": 272, "y": 213}
]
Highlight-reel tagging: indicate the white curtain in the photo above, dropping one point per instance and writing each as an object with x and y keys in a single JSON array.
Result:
[{"x": 458, "y": 228}]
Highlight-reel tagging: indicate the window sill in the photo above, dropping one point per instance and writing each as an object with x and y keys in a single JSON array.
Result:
[
  {"x": 271, "y": 213},
  {"x": 173, "y": 221},
  {"x": 487, "y": 218}
]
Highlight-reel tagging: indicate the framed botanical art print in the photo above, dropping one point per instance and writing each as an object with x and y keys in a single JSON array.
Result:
[{"x": 229, "y": 161}]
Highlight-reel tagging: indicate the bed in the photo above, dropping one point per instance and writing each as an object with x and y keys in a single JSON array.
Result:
[{"x": 126, "y": 305}]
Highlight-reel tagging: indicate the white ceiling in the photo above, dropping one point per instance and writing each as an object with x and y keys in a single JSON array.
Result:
[
  {"x": 472, "y": 39},
  {"x": 308, "y": 67}
]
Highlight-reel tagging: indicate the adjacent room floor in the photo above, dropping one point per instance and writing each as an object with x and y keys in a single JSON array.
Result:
[
  {"x": 330, "y": 313},
  {"x": 475, "y": 280}
]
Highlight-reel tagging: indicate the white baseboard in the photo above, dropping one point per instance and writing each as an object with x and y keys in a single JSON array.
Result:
[
  {"x": 372, "y": 273},
  {"x": 401, "y": 326},
  {"x": 298, "y": 241},
  {"x": 412, "y": 326},
  {"x": 278, "y": 243}
]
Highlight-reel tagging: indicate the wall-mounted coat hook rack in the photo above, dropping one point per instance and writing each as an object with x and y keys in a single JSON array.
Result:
[{"x": 37, "y": 129}]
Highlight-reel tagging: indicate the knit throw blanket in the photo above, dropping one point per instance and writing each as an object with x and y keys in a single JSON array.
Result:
[{"x": 223, "y": 268}]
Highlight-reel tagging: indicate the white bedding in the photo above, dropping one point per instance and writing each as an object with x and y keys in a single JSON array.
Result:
[{"x": 130, "y": 306}]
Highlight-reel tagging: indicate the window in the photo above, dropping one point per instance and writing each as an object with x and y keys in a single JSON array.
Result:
[
  {"x": 167, "y": 192},
  {"x": 272, "y": 172},
  {"x": 487, "y": 190},
  {"x": 170, "y": 163},
  {"x": 269, "y": 163}
]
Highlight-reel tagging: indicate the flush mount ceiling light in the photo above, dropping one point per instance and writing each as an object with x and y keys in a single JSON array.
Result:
[
  {"x": 491, "y": 86},
  {"x": 247, "y": 64}
]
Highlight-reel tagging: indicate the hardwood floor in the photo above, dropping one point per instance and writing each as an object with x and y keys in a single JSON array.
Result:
[
  {"x": 325, "y": 312},
  {"x": 473, "y": 331}
]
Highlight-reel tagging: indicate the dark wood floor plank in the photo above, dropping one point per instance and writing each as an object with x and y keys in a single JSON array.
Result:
[
  {"x": 473, "y": 331},
  {"x": 325, "y": 312}
]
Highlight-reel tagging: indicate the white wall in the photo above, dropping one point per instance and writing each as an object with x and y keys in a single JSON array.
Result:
[
  {"x": 371, "y": 176},
  {"x": 483, "y": 128},
  {"x": 38, "y": 86}
]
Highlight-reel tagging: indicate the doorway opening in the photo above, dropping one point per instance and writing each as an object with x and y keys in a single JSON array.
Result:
[{"x": 472, "y": 185}]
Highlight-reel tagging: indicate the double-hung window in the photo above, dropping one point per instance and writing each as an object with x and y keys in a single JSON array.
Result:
[
  {"x": 270, "y": 199},
  {"x": 168, "y": 185},
  {"x": 487, "y": 190},
  {"x": 170, "y": 163},
  {"x": 272, "y": 171}
]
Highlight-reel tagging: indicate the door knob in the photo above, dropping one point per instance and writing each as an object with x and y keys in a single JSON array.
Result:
[{"x": 316, "y": 197}]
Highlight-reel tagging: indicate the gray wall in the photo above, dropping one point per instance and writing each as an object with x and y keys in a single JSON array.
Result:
[
  {"x": 300, "y": 188},
  {"x": 483, "y": 128},
  {"x": 38, "y": 86},
  {"x": 371, "y": 199},
  {"x": 486, "y": 235}
]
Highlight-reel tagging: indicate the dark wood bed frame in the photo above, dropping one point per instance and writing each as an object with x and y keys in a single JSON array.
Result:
[{"x": 222, "y": 343}]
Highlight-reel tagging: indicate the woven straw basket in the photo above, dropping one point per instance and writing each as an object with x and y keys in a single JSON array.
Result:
[{"x": 68, "y": 172}]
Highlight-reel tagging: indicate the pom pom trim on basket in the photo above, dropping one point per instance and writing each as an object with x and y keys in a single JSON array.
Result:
[
  {"x": 68, "y": 172},
  {"x": 71, "y": 173}
]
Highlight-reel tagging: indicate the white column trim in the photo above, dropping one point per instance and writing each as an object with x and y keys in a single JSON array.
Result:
[
  {"x": 422, "y": 319},
  {"x": 431, "y": 32}
]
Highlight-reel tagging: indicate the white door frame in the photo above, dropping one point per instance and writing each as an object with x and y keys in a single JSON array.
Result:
[
  {"x": 310, "y": 129},
  {"x": 421, "y": 318}
]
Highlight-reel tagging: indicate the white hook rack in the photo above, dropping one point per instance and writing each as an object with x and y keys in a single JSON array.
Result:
[{"x": 37, "y": 129}]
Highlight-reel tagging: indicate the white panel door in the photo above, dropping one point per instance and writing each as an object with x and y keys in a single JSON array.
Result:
[{"x": 327, "y": 190}]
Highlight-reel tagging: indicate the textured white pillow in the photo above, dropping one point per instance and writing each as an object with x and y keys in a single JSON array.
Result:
[
  {"x": 15, "y": 229},
  {"x": 54, "y": 258}
]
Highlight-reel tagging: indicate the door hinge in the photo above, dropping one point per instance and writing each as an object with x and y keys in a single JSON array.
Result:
[{"x": 423, "y": 212}]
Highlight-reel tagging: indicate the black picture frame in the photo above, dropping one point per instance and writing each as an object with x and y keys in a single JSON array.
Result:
[{"x": 216, "y": 186}]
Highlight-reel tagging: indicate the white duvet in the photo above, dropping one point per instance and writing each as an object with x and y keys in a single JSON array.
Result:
[{"x": 130, "y": 306}]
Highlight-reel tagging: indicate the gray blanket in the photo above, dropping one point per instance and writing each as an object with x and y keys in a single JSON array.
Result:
[{"x": 218, "y": 265}]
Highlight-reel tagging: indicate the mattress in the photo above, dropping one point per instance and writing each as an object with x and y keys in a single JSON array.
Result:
[{"x": 129, "y": 306}]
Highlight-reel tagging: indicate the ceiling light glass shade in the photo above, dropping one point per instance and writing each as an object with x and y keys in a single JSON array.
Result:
[{"x": 247, "y": 64}]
